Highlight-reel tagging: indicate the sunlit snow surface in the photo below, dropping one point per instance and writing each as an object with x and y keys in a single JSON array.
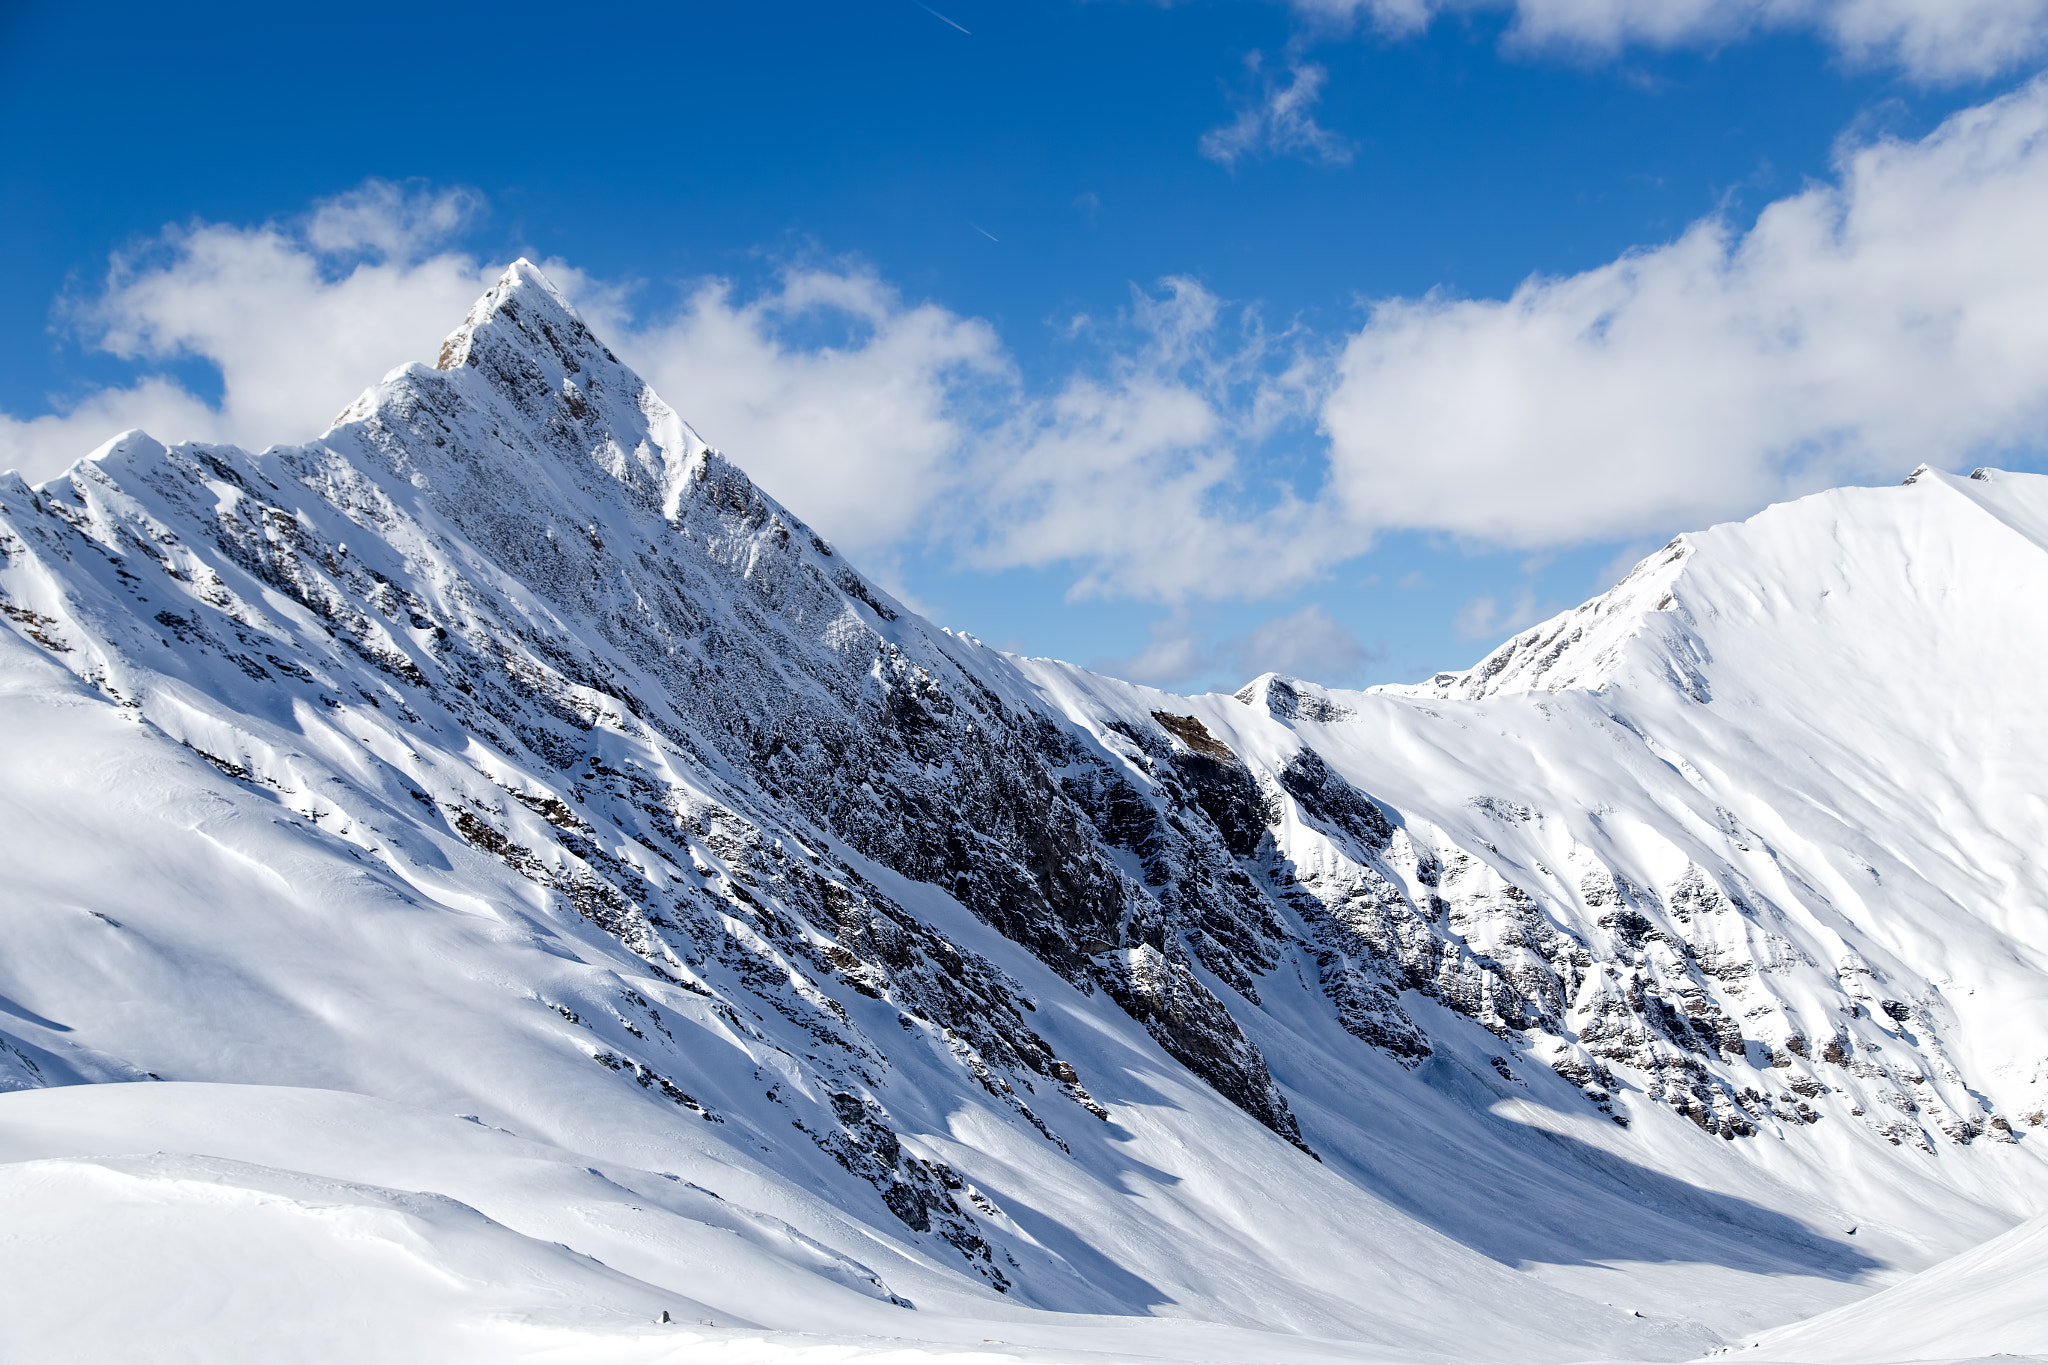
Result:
[{"x": 410, "y": 949}]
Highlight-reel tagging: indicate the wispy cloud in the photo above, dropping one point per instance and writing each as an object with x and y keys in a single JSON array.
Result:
[
  {"x": 1930, "y": 40},
  {"x": 1306, "y": 643},
  {"x": 1484, "y": 618},
  {"x": 941, "y": 18},
  {"x": 1277, "y": 121},
  {"x": 298, "y": 315}
]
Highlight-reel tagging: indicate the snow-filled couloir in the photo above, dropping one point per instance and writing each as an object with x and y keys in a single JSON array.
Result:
[{"x": 506, "y": 868}]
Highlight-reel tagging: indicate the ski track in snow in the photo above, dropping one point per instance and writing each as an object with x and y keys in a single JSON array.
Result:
[{"x": 490, "y": 877}]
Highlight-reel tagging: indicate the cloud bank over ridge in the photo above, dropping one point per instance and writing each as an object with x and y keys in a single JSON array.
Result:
[
  {"x": 1899, "y": 315},
  {"x": 1895, "y": 315}
]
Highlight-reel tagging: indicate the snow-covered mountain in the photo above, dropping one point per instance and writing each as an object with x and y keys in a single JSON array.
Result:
[{"x": 490, "y": 877}]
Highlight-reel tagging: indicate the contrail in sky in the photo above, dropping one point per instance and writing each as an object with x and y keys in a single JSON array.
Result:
[
  {"x": 984, "y": 232},
  {"x": 938, "y": 16}
]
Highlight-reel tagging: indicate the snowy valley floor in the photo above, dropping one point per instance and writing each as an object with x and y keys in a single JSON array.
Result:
[{"x": 301, "y": 1234}]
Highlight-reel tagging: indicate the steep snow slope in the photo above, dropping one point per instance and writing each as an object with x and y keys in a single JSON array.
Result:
[
  {"x": 171, "y": 1258},
  {"x": 1990, "y": 1301},
  {"x": 505, "y": 753}
]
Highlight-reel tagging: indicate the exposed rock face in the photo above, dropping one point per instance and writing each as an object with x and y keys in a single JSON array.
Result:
[
  {"x": 552, "y": 622},
  {"x": 1198, "y": 1031}
]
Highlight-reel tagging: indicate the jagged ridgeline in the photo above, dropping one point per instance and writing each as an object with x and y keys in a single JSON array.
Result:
[{"x": 512, "y": 616}]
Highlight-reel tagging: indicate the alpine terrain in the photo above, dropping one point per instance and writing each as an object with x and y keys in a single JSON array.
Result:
[{"x": 489, "y": 883}]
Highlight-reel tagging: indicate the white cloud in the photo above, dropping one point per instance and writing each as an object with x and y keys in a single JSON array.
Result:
[
  {"x": 1303, "y": 644},
  {"x": 44, "y": 446},
  {"x": 1619, "y": 564},
  {"x": 389, "y": 220},
  {"x": 1484, "y": 618},
  {"x": 1306, "y": 643},
  {"x": 1855, "y": 331},
  {"x": 1940, "y": 39},
  {"x": 298, "y": 317},
  {"x": 1133, "y": 470},
  {"x": 864, "y": 429},
  {"x": 1277, "y": 120},
  {"x": 888, "y": 423},
  {"x": 841, "y": 398},
  {"x": 1932, "y": 40}
]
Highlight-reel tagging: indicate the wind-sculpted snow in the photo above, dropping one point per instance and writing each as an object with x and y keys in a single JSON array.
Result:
[{"x": 504, "y": 751}]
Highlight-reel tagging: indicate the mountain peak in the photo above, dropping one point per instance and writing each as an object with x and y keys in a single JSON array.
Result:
[
  {"x": 1288, "y": 699},
  {"x": 524, "y": 306}
]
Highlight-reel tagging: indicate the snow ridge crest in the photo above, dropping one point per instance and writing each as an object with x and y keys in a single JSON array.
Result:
[{"x": 1582, "y": 648}]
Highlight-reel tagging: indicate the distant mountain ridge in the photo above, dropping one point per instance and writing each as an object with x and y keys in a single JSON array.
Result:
[{"x": 505, "y": 751}]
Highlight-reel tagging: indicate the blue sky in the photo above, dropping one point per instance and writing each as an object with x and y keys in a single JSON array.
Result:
[{"x": 1182, "y": 340}]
